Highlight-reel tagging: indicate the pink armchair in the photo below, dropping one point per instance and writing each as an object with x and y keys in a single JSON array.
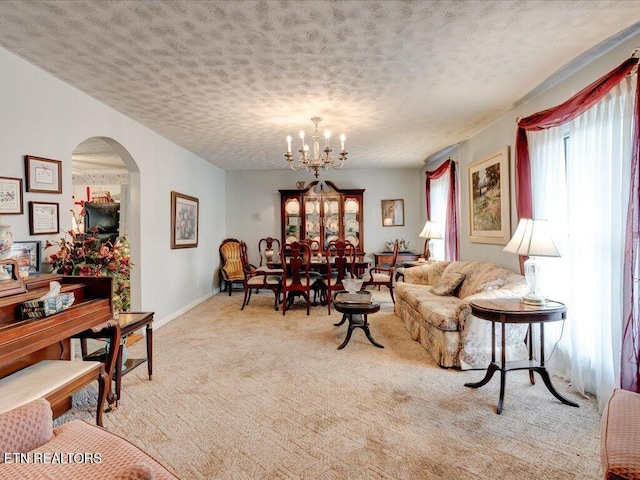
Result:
[{"x": 29, "y": 445}]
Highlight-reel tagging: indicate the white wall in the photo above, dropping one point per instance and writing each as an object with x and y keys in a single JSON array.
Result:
[
  {"x": 45, "y": 117},
  {"x": 503, "y": 132},
  {"x": 257, "y": 191}
]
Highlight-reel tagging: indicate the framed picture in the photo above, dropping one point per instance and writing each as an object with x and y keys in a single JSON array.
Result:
[
  {"x": 184, "y": 221},
  {"x": 10, "y": 196},
  {"x": 43, "y": 174},
  {"x": 44, "y": 218},
  {"x": 393, "y": 213},
  {"x": 489, "y": 199},
  {"x": 27, "y": 254}
]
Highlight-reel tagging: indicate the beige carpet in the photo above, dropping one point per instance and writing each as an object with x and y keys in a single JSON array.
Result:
[{"x": 255, "y": 395}]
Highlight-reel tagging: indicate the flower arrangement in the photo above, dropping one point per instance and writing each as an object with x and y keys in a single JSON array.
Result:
[{"x": 85, "y": 255}]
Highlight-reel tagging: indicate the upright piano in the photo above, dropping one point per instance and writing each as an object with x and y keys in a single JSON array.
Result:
[{"x": 26, "y": 342}]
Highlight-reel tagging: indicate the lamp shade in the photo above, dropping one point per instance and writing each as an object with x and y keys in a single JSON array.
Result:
[
  {"x": 532, "y": 238},
  {"x": 430, "y": 230}
]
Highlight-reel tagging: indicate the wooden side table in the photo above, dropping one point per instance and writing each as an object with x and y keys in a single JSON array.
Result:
[
  {"x": 384, "y": 258},
  {"x": 129, "y": 323},
  {"x": 511, "y": 310},
  {"x": 356, "y": 311}
]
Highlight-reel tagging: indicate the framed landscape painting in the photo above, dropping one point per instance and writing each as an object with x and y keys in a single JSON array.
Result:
[
  {"x": 27, "y": 254},
  {"x": 489, "y": 199},
  {"x": 184, "y": 221}
]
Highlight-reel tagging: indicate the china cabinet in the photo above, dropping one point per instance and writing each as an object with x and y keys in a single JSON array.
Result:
[{"x": 321, "y": 213}]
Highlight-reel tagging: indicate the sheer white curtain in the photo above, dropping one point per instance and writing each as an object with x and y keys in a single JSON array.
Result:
[
  {"x": 438, "y": 202},
  {"x": 582, "y": 187}
]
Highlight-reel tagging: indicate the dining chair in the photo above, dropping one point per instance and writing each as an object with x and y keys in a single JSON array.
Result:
[
  {"x": 257, "y": 278},
  {"x": 340, "y": 257},
  {"x": 231, "y": 264},
  {"x": 269, "y": 250},
  {"x": 317, "y": 285},
  {"x": 379, "y": 276},
  {"x": 295, "y": 279}
]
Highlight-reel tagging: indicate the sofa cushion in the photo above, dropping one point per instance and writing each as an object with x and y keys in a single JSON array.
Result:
[
  {"x": 428, "y": 274},
  {"x": 439, "y": 311},
  {"x": 478, "y": 274},
  {"x": 448, "y": 283},
  {"x": 490, "y": 286},
  {"x": 26, "y": 427}
]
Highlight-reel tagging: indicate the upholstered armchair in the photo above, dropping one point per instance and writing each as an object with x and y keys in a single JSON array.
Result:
[
  {"x": 231, "y": 264},
  {"x": 27, "y": 433}
]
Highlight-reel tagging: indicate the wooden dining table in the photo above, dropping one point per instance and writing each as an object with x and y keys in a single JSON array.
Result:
[{"x": 319, "y": 264}]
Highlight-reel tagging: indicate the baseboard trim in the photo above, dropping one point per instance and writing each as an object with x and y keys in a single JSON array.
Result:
[{"x": 159, "y": 323}]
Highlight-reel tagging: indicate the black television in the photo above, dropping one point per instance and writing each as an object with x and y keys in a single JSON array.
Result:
[{"x": 105, "y": 217}]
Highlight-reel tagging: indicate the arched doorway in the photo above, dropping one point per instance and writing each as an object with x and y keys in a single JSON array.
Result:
[{"x": 103, "y": 169}]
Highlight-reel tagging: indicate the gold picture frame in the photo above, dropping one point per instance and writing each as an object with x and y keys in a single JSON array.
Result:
[
  {"x": 184, "y": 221},
  {"x": 489, "y": 203},
  {"x": 392, "y": 212}
]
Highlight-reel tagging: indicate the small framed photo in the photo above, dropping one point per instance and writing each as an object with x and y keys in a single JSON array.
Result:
[
  {"x": 393, "y": 213},
  {"x": 27, "y": 254},
  {"x": 43, "y": 174},
  {"x": 10, "y": 196},
  {"x": 44, "y": 218},
  {"x": 490, "y": 220},
  {"x": 184, "y": 221}
]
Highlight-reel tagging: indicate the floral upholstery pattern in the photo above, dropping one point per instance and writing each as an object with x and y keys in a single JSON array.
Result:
[
  {"x": 444, "y": 324},
  {"x": 448, "y": 283}
]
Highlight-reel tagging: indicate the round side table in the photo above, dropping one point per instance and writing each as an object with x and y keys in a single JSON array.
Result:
[{"x": 512, "y": 310}]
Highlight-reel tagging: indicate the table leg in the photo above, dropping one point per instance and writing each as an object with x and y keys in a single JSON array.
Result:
[
  {"x": 149, "y": 335},
  {"x": 547, "y": 381},
  {"x": 493, "y": 367},
  {"x": 503, "y": 381},
  {"x": 344, "y": 319},
  {"x": 118, "y": 374},
  {"x": 365, "y": 327},
  {"x": 530, "y": 341},
  {"x": 349, "y": 331}
]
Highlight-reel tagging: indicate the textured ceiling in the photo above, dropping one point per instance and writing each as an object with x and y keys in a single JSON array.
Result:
[{"x": 229, "y": 80}]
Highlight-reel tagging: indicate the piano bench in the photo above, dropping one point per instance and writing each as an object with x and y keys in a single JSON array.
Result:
[{"x": 54, "y": 380}]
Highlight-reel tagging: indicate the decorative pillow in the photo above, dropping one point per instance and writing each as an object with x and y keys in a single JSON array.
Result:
[
  {"x": 491, "y": 285},
  {"x": 26, "y": 427},
  {"x": 448, "y": 283}
]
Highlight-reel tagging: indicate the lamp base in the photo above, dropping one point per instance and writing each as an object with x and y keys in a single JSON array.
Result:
[{"x": 534, "y": 300}]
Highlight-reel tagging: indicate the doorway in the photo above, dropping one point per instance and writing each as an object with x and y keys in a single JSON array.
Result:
[{"x": 105, "y": 175}]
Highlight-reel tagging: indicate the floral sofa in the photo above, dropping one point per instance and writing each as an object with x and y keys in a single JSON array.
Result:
[{"x": 433, "y": 302}]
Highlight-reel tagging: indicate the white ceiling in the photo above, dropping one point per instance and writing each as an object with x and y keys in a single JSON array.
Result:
[{"x": 229, "y": 80}]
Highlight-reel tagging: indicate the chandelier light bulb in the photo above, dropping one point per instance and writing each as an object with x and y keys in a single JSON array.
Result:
[
  {"x": 343, "y": 137},
  {"x": 288, "y": 143}
]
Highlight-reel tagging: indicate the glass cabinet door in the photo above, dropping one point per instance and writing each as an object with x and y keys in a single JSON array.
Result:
[
  {"x": 352, "y": 223},
  {"x": 312, "y": 223},
  {"x": 331, "y": 219},
  {"x": 292, "y": 220}
]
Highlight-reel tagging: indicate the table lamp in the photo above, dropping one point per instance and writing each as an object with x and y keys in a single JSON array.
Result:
[
  {"x": 430, "y": 230},
  {"x": 533, "y": 239}
]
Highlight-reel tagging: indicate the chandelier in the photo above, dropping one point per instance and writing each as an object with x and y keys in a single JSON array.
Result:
[{"x": 321, "y": 159}]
